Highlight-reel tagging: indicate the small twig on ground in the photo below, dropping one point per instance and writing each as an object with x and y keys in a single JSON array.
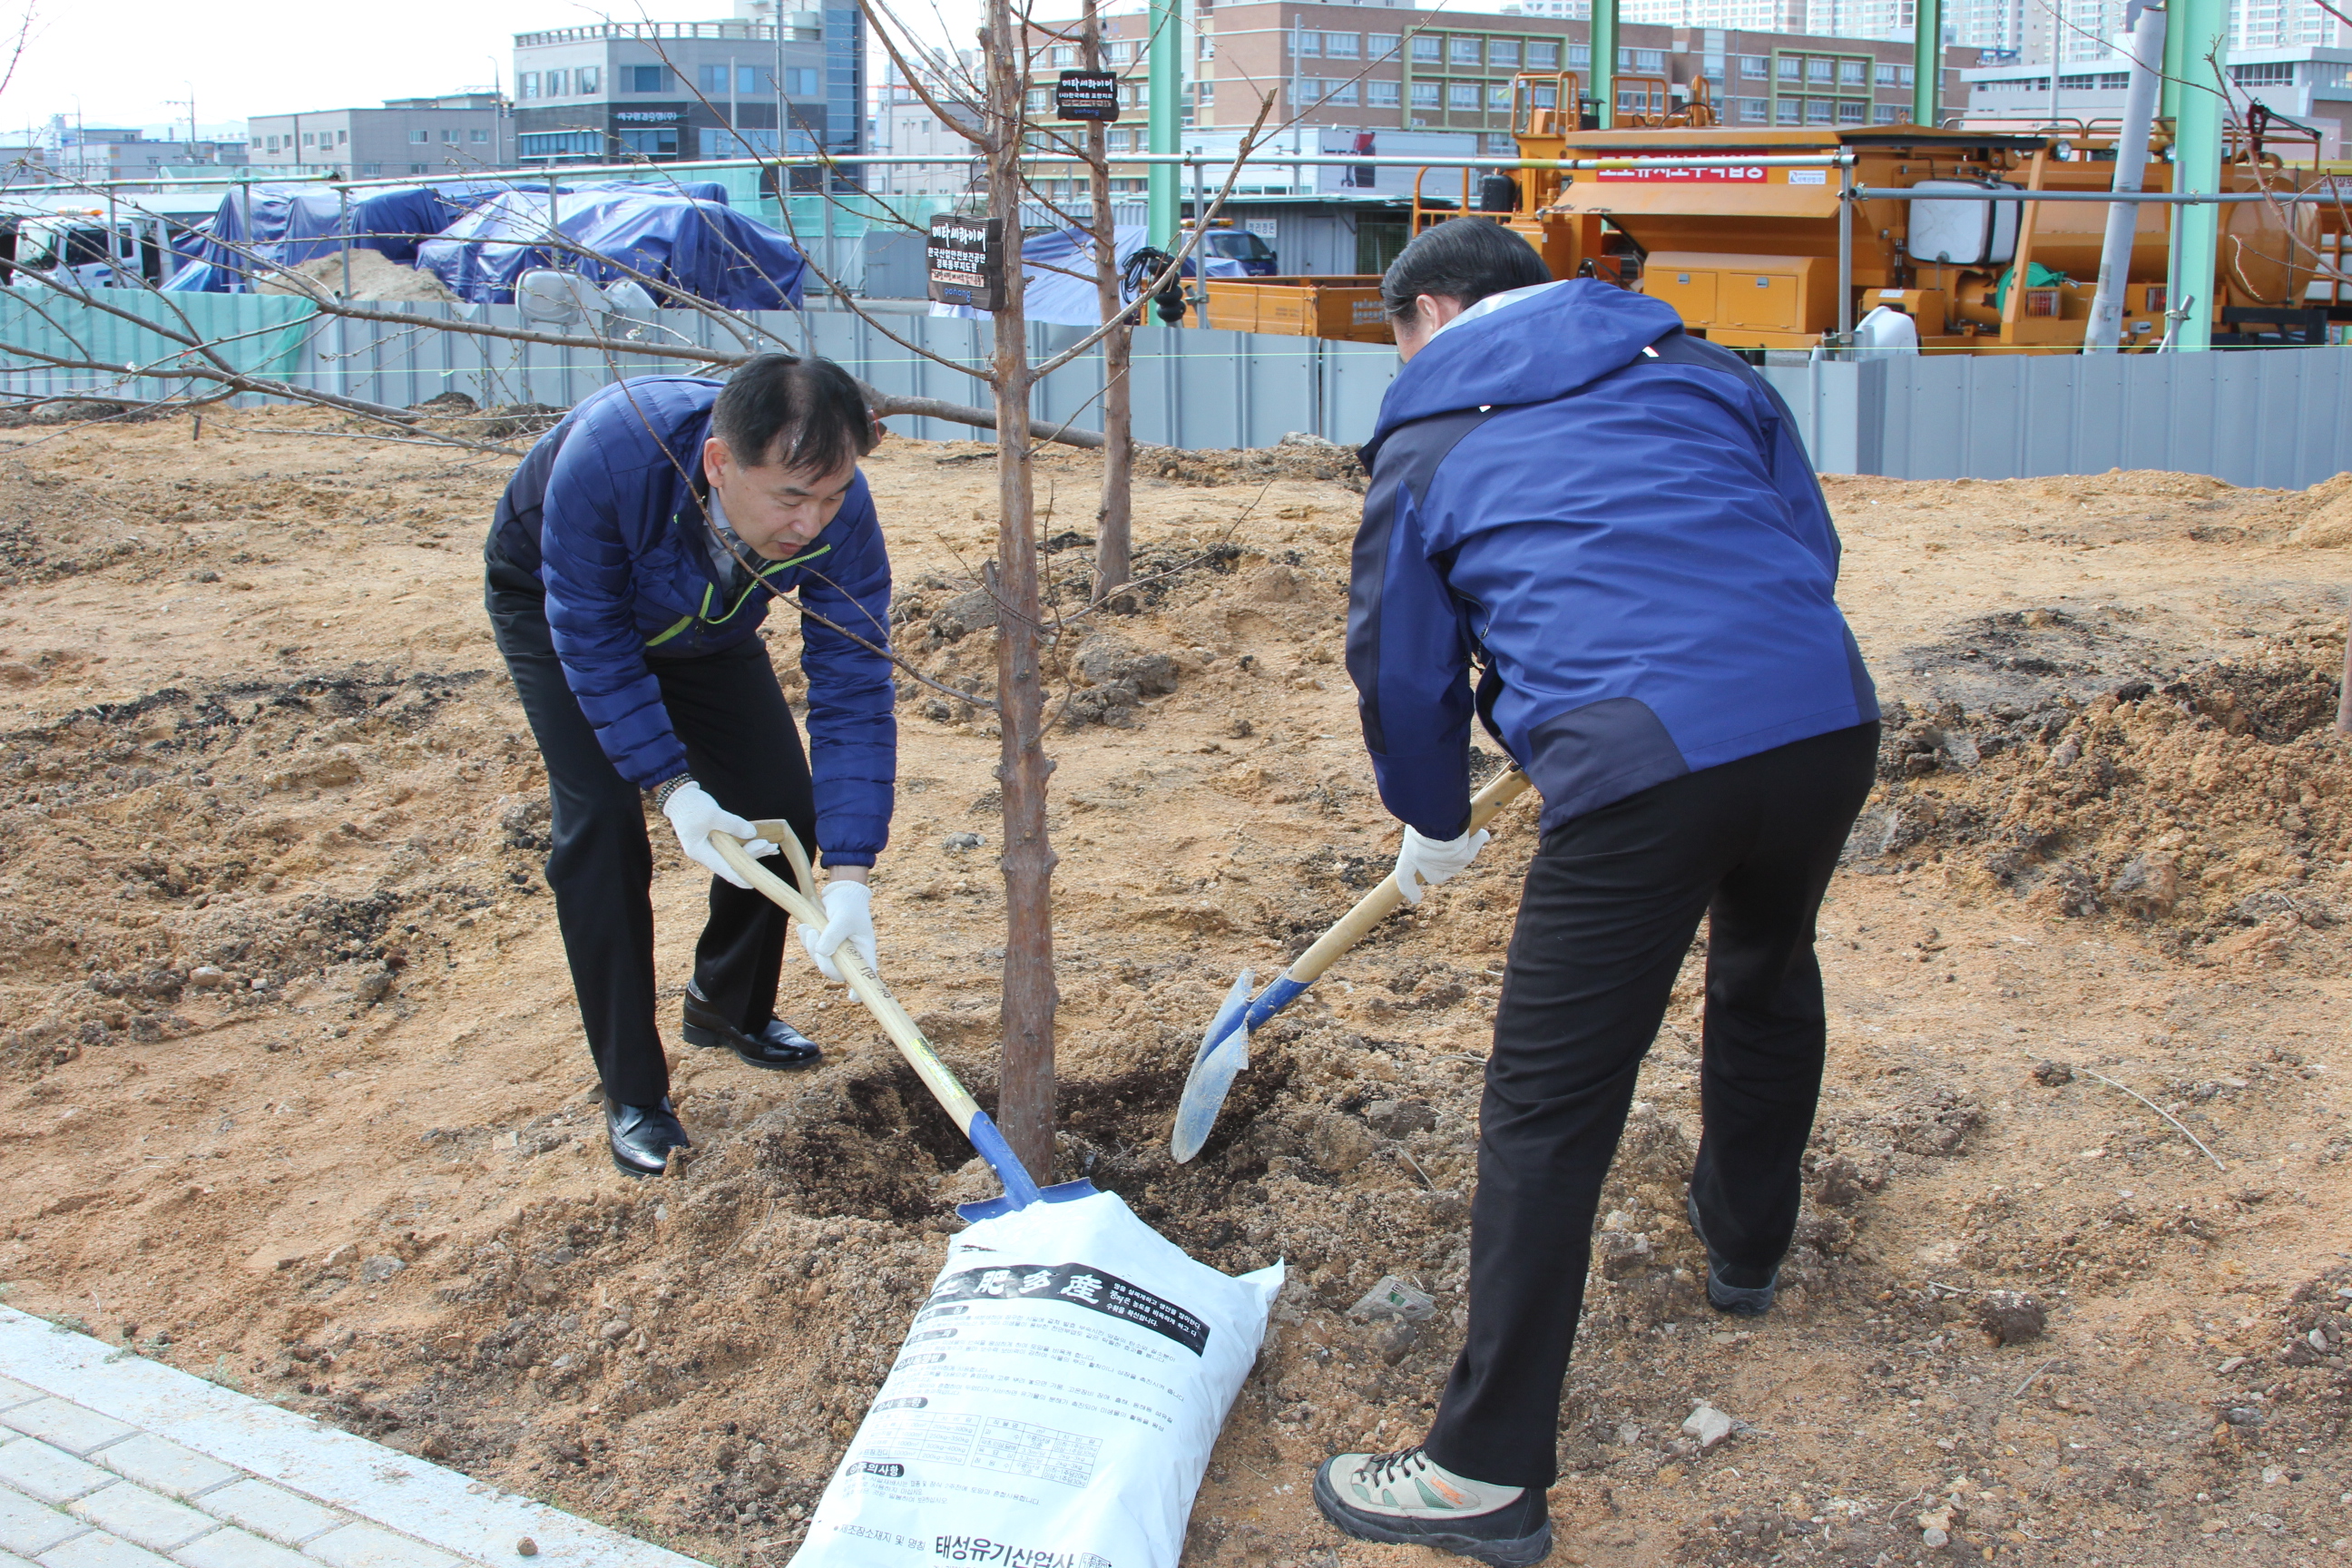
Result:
[
  {"x": 2031, "y": 1377},
  {"x": 2160, "y": 1111},
  {"x": 1417, "y": 1170}
]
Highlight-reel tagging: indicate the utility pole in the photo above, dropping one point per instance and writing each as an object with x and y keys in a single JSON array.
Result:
[
  {"x": 1927, "y": 62},
  {"x": 1604, "y": 33},
  {"x": 1166, "y": 86},
  {"x": 2203, "y": 26}
]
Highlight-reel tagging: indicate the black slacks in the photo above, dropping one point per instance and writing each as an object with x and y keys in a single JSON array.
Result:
[
  {"x": 740, "y": 744},
  {"x": 1611, "y": 903}
]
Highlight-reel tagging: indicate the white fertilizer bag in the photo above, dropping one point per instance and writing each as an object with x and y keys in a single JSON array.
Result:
[{"x": 1055, "y": 1403}]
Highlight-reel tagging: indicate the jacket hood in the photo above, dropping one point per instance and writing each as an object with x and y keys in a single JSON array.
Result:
[{"x": 1554, "y": 340}]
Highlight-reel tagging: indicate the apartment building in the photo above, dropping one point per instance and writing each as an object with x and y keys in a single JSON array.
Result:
[
  {"x": 1332, "y": 64},
  {"x": 456, "y": 133},
  {"x": 2310, "y": 86},
  {"x": 667, "y": 91}
]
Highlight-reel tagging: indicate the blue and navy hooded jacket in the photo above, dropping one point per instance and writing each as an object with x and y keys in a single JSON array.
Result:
[
  {"x": 1618, "y": 524},
  {"x": 608, "y": 513}
]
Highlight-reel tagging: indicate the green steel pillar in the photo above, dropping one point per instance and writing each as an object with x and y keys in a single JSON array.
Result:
[
  {"x": 1927, "y": 63},
  {"x": 2203, "y": 28},
  {"x": 1604, "y": 61},
  {"x": 1165, "y": 124}
]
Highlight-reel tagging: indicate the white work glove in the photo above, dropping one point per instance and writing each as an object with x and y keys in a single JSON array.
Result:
[
  {"x": 696, "y": 816},
  {"x": 1431, "y": 860},
  {"x": 848, "y": 918}
]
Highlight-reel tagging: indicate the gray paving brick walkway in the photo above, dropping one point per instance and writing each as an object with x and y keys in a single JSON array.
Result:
[{"x": 110, "y": 1461}]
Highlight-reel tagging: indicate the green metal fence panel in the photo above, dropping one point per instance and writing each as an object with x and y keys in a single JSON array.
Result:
[{"x": 256, "y": 334}]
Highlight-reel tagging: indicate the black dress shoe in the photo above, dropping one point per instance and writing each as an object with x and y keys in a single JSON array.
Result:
[
  {"x": 642, "y": 1137},
  {"x": 775, "y": 1044}
]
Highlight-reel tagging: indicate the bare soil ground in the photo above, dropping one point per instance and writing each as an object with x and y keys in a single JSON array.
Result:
[{"x": 291, "y": 1091}]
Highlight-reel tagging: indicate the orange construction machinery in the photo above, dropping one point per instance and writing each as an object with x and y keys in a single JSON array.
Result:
[
  {"x": 1746, "y": 240},
  {"x": 1748, "y": 253}
]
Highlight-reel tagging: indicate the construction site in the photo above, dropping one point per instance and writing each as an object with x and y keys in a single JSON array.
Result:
[{"x": 292, "y": 1072}]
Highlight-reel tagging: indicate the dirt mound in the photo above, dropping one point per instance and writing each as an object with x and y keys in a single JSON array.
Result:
[{"x": 374, "y": 276}]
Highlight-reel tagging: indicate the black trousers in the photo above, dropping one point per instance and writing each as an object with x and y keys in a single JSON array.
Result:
[
  {"x": 741, "y": 745},
  {"x": 1611, "y": 903}
]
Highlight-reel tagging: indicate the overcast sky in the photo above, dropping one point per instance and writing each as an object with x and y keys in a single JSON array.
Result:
[{"x": 122, "y": 62}]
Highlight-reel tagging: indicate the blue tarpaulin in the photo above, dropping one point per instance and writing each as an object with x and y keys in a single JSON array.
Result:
[
  {"x": 675, "y": 247},
  {"x": 287, "y": 225}
]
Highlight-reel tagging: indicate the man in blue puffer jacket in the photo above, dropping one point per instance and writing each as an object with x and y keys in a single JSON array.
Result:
[
  {"x": 630, "y": 567},
  {"x": 1615, "y": 526}
]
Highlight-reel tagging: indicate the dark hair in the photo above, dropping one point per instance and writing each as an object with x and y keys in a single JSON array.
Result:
[
  {"x": 799, "y": 413},
  {"x": 1464, "y": 258}
]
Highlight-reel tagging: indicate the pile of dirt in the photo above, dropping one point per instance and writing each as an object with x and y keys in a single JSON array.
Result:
[
  {"x": 292, "y": 1077},
  {"x": 373, "y": 276}
]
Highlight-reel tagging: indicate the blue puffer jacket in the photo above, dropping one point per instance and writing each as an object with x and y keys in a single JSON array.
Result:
[
  {"x": 1619, "y": 523},
  {"x": 607, "y": 510}
]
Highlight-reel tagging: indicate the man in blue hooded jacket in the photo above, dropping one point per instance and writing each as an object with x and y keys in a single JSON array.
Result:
[
  {"x": 630, "y": 566},
  {"x": 1614, "y": 526}
]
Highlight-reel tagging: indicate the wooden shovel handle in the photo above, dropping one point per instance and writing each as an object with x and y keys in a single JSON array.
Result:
[
  {"x": 1385, "y": 900},
  {"x": 864, "y": 983}
]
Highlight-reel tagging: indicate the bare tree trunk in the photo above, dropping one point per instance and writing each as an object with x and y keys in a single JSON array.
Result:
[
  {"x": 1024, "y": 1106},
  {"x": 1113, "y": 535}
]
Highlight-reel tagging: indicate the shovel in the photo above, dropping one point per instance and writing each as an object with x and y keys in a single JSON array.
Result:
[
  {"x": 802, "y": 903},
  {"x": 1224, "y": 1050}
]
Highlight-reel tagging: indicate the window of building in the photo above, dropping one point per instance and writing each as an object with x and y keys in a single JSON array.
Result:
[
  {"x": 1381, "y": 46},
  {"x": 1036, "y": 101},
  {"x": 1649, "y": 59},
  {"x": 1543, "y": 55},
  {"x": 1342, "y": 45},
  {"x": 1579, "y": 56},
  {"x": 1909, "y": 75},
  {"x": 646, "y": 78},
  {"x": 801, "y": 81},
  {"x": 1849, "y": 73},
  {"x": 1123, "y": 54},
  {"x": 1425, "y": 48},
  {"x": 1884, "y": 75},
  {"x": 1754, "y": 67},
  {"x": 1342, "y": 93},
  {"x": 1788, "y": 67},
  {"x": 1755, "y": 111},
  {"x": 1464, "y": 52},
  {"x": 419, "y": 138},
  {"x": 1502, "y": 54},
  {"x": 1819, "y": 69},
  {"x": 1886, "y": 114},
  {"x": 555, "y": 84},
  {"x": 1820, "y": 111},
  {"x": 1498, "y": 98},
  {"x": 309, "y": 139},
  {"x": 273, "y": 143},
  {"x": 713, "y": 79},
  {"x": 1787, "y": 110},
  {"x": 654, "y": 142},
  {"x": 1208, "y": 49},
  {"x": 342, "y": 137},
  {"x": 1119, "y": 141},
  {"x": 1424, "y": 95},
  {"x": 478, "y": 136},
  {"x": 1639, "y": 100},
  {"x": 1850, "y": 111},
  {"x": 1306, "y": 42},
  {"x": 1205, "y": 92},
  {"x": 449, "y": 135},
  {"x": 418, "y": 169},
  {"x": 1381, "y": 94},
  {"x": 587, "y": 78},
  {"x": 1462, "y": 95},
  {"x": 1714, "y": 72},
  {"x": 1625, "y": 59},
  {"x": 2270, "y": 73},
  {"x": 1063, "y": 56},
  {"x": 527, "y": 85}
]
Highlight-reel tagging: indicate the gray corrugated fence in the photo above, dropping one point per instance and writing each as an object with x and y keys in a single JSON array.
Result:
[{"x": 2278, "y": 416}]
